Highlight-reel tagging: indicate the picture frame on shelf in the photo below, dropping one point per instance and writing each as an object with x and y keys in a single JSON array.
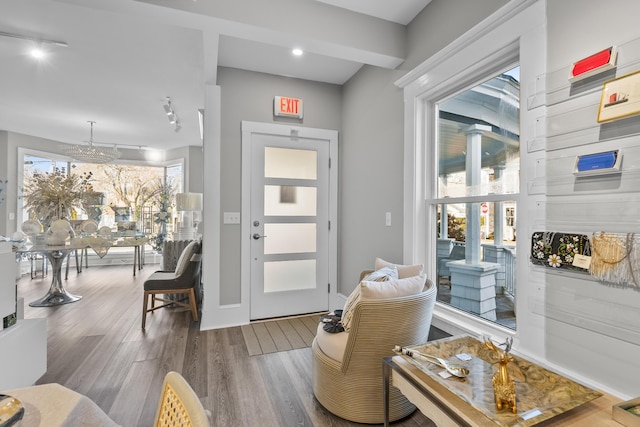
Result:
[{"x": 620, "y": 98}]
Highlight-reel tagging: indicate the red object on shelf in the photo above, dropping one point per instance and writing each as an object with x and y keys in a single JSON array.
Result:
[{"x": 594, "y": 64}]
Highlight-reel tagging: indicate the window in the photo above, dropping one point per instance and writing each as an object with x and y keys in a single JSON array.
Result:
[
  {"x": 512, "y": 37},
  {"x": 478, "y": 178},
  {"x": 119, "y": 196}
]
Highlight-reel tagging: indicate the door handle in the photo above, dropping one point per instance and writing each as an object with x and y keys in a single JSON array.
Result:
[{"x": 257, "y": 236}]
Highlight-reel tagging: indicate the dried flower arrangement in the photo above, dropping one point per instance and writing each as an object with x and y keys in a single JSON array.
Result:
[{"x": 53, "y": 195}]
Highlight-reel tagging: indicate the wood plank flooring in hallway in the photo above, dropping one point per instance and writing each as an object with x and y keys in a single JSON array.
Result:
[{"x": 96, "y": 347}]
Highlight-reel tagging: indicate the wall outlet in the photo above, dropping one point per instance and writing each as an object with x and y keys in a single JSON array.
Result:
[
  {"x": 387, "y": 219},
  {"x": 231, "y": 218}
]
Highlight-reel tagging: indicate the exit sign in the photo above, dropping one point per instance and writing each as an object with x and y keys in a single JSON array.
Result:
[{"x": 289, "y": 107}]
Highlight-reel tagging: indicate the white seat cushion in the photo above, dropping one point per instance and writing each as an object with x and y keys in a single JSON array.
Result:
[{"x": 332, "y": 345}]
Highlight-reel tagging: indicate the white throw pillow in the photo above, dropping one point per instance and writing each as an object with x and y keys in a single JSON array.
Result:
[
  {"x": 347, "y": 311},
  {"x": 392, "y": 288},
  {"x": 185, "y": 258},
  {"x": 385, "y": 273},
  {"x": 404, "y": 271},
  {"x": 380, "y": 275}
]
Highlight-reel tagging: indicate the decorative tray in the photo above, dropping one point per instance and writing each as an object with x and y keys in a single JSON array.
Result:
[{"x": 540, "y": 394}]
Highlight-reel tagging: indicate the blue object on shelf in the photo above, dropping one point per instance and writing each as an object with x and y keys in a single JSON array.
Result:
[{"x": 598, "y": 163}]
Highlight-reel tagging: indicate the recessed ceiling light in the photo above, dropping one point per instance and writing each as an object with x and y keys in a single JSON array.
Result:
[
  {"x": 37, "y": 53},
  {"x": 297, "y": 52}
]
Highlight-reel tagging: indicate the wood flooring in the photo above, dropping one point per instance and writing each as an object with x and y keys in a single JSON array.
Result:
[{"x": 96, "y": 347}]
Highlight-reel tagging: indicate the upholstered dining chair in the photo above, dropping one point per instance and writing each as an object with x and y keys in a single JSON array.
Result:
[
  {"x": 183, "y": 280},
  {"x": 179, "y": 405},
  {"x": 347, "y": 367}
]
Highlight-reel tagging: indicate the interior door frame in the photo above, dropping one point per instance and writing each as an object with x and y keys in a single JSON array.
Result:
[{"x": 249, "y": 128}]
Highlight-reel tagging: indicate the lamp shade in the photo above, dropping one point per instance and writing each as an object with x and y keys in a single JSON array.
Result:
[{"x": 189, "y": 201}]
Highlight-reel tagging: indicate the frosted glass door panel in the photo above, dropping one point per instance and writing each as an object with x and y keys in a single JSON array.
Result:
[
  {"x": 290, "y": 163},
  {"x": 285, "y": 200},
  {"x": 282, "y": 276},
  {"x": 289, "y": 229},
  {"x": 289, "y": 238}
]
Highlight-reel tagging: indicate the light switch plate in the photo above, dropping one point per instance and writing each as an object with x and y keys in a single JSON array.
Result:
[{"x": 231, "y": 218}]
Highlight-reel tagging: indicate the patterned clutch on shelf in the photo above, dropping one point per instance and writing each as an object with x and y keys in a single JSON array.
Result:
[{"x": 559, "y": 250}]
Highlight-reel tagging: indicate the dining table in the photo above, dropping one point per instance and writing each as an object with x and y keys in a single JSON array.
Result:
[
  {"x": 55, "y": 254},
  {"x": 54, "y": 405}
]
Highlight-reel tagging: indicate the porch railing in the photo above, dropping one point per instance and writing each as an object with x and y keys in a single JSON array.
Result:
[{"x": 510, "y": 271}]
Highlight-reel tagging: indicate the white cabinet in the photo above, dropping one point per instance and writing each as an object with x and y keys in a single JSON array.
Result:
[
  {"x": 23, "y": 346},
  {"x": 7, "y": 283}
]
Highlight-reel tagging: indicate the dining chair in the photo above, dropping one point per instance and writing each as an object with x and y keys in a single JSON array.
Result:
[
  {"x": 179, "y": 405},
  {"x": 185, "y": 279},
  {"x": 33, "y": 259}
]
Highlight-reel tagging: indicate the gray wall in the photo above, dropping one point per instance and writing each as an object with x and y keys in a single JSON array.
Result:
[
  {"x": 4, "y": 166},
  {"x": 248, "y": 96},
  {"x": 440, "y": 23},
  {"x": 193, "y": 166},
  {"x": 10, "y": 144},
  {"x": 371, "y": 180},
  {"x": 4, "y": 173}
]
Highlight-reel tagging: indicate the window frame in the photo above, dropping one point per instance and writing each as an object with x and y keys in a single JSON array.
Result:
[
  {"x": 515, "y": 33},
  {"x": 508, "y": 59},
  {"x": 24, "y": 152}
]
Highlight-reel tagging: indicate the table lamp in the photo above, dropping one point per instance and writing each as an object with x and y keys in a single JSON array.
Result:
[{"x": 188, "y": 204}]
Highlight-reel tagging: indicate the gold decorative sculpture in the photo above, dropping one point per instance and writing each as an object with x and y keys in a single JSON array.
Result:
[{"x": 504, "y": 387}]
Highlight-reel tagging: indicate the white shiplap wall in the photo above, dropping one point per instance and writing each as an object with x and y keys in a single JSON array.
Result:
[{"x": 591, "y": 327}]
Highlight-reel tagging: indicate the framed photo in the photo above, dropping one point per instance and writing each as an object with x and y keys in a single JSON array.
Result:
[{"x": 620, "y": 98}]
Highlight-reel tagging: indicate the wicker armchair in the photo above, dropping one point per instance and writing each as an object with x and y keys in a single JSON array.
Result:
[
  {"x": 351, "y": 388},
  {"x": 179, "y": 405}
]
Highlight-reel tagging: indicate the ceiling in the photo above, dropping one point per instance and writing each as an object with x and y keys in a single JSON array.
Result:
[{"x": 124, "y": 57}]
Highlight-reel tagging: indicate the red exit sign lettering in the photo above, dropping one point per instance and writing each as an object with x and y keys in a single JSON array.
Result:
[{"x": 286, "y": 106}]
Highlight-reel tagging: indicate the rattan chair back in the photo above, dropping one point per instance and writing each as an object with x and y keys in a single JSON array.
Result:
[{"x": 179, "y": 405}]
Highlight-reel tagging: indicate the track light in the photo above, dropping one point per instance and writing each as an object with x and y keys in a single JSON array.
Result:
[
  {"x": 168, "y": 109},
  {"x": 171, "y": 114}
]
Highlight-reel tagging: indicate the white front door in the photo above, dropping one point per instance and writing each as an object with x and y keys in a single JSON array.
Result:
[{"x": 290, "y": 215}]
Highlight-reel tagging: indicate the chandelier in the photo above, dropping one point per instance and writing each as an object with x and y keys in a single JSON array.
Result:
[{"x": 91, "y": 153}]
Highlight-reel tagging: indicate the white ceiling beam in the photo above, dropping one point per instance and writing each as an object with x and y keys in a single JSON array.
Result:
[{"x": 319, "y": 28}]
